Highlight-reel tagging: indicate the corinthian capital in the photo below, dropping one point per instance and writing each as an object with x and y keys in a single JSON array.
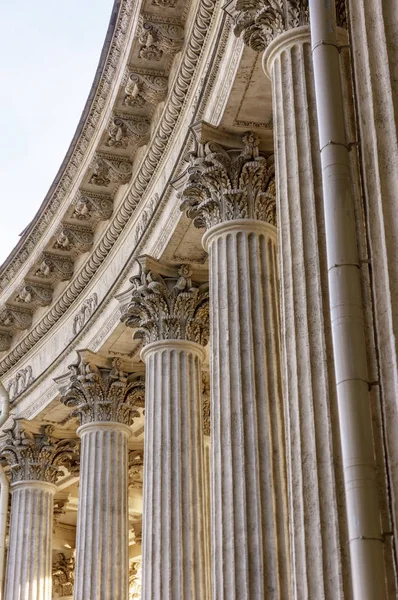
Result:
[
  {"x": 103, "y": 394},
  {"x": 224, "y": 185},
  {"x": 260, "y": 21},
  {"x": 38, "y": 456},
  {"x": 168, "y": 307}
]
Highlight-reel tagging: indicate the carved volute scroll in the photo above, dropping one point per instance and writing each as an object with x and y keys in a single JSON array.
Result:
[
  {"x": 261, "y": 21},
  {"x": 99, "y": 394},
  {"x": 224, "y": 185},
  {"x": 38, "y": 456},
  {"x": 168, "y": 308}
]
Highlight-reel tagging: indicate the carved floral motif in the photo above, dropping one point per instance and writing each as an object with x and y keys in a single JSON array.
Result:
[
  {"x": 141, "y": 88},
  {"x": 128, "y": 131},
  {"x": 224, "y": 185},
  {"x": 90, "y": 207},
  {"x": 38, "y": 456},
  {"x": 157, "y": 39},
  {"x": 135, "y": 581},
  {"x": 136, "y": 466},
  {"x": 103, "y": 394},
  {"x": 63, "y": 575},
  {"x": 110, "y": 169},
  {"x": 261, "y": 21},
  {"x": 168, "y": 308}
]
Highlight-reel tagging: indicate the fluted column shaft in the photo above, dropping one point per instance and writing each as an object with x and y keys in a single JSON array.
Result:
[
  {"x": 249, "y": 511},
  {"x": 29, "y": 562},
  {"x": 174, "y": 565},
  {"x": 316, "y": 489},
  {"x": 102, "y": 527}
]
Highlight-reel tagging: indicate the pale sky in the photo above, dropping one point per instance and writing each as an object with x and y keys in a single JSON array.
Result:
[{"x": 49, "y": 50}]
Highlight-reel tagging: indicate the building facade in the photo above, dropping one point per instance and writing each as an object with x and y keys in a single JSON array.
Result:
[{"x": 198, "y": 329}]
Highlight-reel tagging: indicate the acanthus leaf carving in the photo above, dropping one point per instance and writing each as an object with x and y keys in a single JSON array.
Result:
[
  {"x": 92, "y": 207},
  {"x": 63, "y": 575},
  {"x": 223, "y": 185},
  {"x": 103, "y": 394},
  {"x": 128, "y": 131},
  {"x": 38, "y": 456},
  {"x": 54, "y": 267},
  {"x": 168, "y": 308},
  {"x": 261, "y": 21},
  {"x": 145, "y": 87},
  {"x": 33, "y": 295},
  {"x": 75, "y": 239},
  {"x": 109, "y": 169},
  {"x": 158, "y": 38}
]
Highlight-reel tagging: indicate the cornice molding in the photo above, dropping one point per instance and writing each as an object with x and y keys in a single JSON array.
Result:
[
  {"x": 115, "y": 40},
  {"x": 161, "y": 139}
]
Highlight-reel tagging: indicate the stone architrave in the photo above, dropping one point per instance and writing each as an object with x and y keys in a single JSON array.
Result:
[
  {"x": 171, "y": 314},
  {"x": 232, "y": 195},
  {"x": 316, "y": 488},
  {"x": 106, "y": 400},
  {"x": 35, "y": 461}
]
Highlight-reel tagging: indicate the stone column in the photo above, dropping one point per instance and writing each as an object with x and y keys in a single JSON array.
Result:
[
  {"x": 106, "y": 400},
  {"x": 171, "y": 313},
  {"x": 34, "y": 460},
  {"x": 232, "y": 194},
  {"x": 319, "y": 536}
]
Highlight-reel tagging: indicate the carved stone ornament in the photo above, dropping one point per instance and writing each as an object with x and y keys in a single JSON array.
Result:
[
  {"x": 103, "y": 394},
  {"x": 38, "y": 456},
  {"x": 206, "y": 406},
  {"x": 18, "y": 384},
  {"x": 54, "y": 267},
  {"x": 157, "y": 39},
  {"x": 110, "y": 169},
  {"x": 136, "y": 467},
  {"x": 33, "y": 295},
  {"x": 63, "y": 575},
  {"x": 135, "y": 581},
  {"x": 261, "y": 21},
  {"x": 224, "y": 185},
  {"x": 84, "y": 313},
  {"x": 168, "y": 308},
  {"x": 74, "y": 238},
  {"x": 142, "y": 88},
  {"x": 89, "y": 207},
  {"x": 124, "y": 132}
]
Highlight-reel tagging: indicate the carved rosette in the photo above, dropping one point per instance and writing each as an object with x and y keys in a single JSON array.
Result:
[
  {"x": 224, "y": 185},
  {"x": 38, "y": 456},
  {"x": 169, "y": 308},
  {"x": 63, "y": 575},
  {"x": 99, "y": 394},
  {"x": 261, "y": 21}
]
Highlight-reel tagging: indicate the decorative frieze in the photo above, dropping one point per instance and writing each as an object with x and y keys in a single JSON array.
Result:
[
  {"x": 107, "y": 169},
  {"x": 168, "y": 308},
  {"x": 84, "y": 313},
  {"x": 38, "y": 456},
  {"x": 135, "y": 581},
  {"x": 261, "y": 21},
  {"x": 124, "y": 132},
  {"x": 99, "y": 394},
  {"x": 63, "y": 575},
  {"x": 224, "y": 185},
  {"x": 18, "y": 384},
  {"x": 142, "y": 87},
  {"x": 158, "y": 38}
]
